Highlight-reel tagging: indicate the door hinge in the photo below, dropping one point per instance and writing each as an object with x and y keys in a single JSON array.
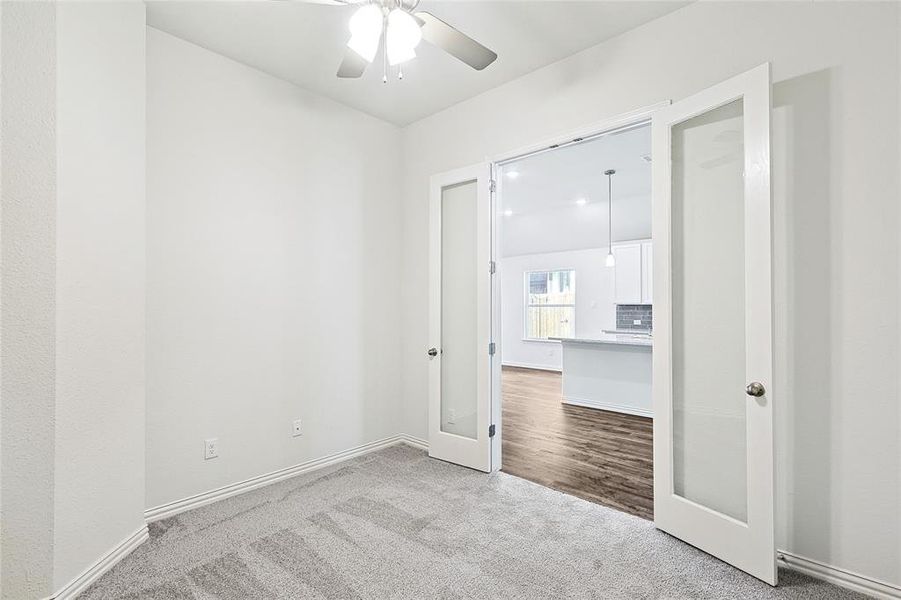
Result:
[
  {"x": 492, "y": 267},
  {"x": 492, "y": 186},
  {"x": 491, "y": 430},
  {"x": 491, "y": 348}
]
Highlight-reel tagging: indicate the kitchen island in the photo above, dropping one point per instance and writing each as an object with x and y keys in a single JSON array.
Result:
[{"x": 610, "y": 372}]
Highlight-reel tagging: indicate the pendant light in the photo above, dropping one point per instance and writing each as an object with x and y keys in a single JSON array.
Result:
[{"x": 611, "y": 261}]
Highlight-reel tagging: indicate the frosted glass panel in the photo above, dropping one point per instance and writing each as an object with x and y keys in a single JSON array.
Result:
[
  {"x": 459, "y": 307},
  {"x": 708, "y": 262}
]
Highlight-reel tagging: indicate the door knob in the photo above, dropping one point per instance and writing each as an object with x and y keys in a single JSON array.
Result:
[
  {"x": 756, "y": 389},
  {"x": 433, "y": 351}
]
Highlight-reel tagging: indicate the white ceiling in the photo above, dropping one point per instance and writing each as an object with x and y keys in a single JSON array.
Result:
[
  {"x": 304, "y": 43},
  {"x": 544, "y": 197}
]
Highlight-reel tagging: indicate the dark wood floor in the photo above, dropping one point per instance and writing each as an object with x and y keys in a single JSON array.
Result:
[{"x": 601, "y": 456}]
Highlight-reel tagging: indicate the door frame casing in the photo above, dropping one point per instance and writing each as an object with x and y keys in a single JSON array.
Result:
[{"x": 749, "y": 546}]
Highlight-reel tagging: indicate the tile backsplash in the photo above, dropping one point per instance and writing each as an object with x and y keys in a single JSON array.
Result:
[{"x": 627, "y": 314}]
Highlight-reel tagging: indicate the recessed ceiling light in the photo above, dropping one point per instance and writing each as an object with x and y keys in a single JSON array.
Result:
[
  {"x": 512, "y": 174},
  {"x": 581, "y": 201},
  {"x": 508, "y": 213}
]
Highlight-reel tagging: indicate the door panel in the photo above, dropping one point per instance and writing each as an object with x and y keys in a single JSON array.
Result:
[
  {"x": 713, "y": 441},
  {"x": 708, "y": 295},
  {"x": 459, "y": 317},
  {"x": 459, "y": 309}
]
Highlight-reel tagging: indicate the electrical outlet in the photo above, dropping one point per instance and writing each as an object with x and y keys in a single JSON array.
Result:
[
  {"x": 452, "y": 416},
  {"x": 636, "y": 321},
  {"x": 210, "y": 448},
  {"x": 298, "y": 428}
]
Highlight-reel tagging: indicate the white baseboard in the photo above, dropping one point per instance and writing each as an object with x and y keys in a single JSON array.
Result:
[
  {"x": 415, "y": 441},
  {"x": 840, "y": 577},
  {"x": 179, "y": 506},
  {"x": 629, "y": 410},
  {"x": 104, "y": 564},
  {"x": 530, "y": 366}
]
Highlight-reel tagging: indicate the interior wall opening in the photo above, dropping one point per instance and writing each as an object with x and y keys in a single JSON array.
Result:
[{"x": 574, "y": 260}]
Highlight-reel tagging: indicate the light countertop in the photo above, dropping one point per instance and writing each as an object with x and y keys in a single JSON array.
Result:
[{"x": 610, "y": 338}]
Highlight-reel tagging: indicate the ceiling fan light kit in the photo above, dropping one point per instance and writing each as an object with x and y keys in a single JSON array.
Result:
[
  {"x": 402, "y": 37},
  {"x": 403, "y": 30},
  {"x": 365, "y": 31}
]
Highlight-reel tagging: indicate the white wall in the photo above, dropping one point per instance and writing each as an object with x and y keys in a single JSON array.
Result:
[
  {"x": 273, "y": 237},
  {"x": 595, "y": 310},
  {"x": 835, "y": 174},
  {"x": 1, "y": 295},
  {"x": 73, "y": 288},
  {"x": 100, "y": 269},
  {"x": 28, "y": 316}
]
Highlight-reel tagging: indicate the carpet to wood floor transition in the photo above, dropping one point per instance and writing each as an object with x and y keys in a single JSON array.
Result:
[{"x": 397, "y": 524}]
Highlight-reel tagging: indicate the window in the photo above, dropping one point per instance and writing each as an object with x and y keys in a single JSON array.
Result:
[{"x": 550, "y": 304}]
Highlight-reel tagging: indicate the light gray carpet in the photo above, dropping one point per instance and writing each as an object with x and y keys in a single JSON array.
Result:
[{"x": 396, "y": 524}]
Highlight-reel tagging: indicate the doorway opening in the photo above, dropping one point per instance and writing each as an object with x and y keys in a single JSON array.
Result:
[{"x": 573, "y": 250}]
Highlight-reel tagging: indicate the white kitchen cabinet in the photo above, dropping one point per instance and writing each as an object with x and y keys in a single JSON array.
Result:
[
  {"x": 647, "y": 272},
  {"x": 633, "y": 273},
  {"x": 627, "y": 273}
]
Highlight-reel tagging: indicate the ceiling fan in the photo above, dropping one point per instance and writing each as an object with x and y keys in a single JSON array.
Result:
[{"x": 402, "y": 28}]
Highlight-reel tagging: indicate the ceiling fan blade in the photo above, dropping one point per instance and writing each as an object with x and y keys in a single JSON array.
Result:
[
  {"x": 352, "y": 66},
  {"x": 455, "y": 42}
]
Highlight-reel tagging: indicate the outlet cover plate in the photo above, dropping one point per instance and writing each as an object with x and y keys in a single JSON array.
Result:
[
  {"x": 297, "y": 428},
  {"x": 210, "y": 448}
]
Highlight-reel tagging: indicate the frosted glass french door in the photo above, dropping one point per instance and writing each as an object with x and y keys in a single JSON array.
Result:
[
  {"x": 460, "y": 363},
  {"x": 713, "y": 384}
]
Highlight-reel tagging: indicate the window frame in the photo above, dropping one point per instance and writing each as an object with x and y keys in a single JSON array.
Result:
[{"x": 526, "y": 305}]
